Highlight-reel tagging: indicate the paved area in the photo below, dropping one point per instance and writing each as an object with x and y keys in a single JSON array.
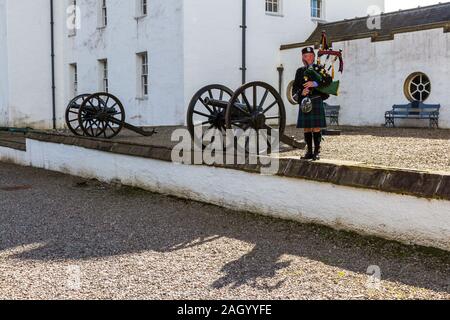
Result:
[
  {"x": 411, "y": 148},
  {"x": 63, "y": 237},
  {"x": 421, "y": 148}
]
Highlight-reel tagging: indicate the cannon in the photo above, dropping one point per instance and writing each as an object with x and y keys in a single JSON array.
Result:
[
  {"x": 98, "y": 115},
  {"x": 255, "y": 105}
]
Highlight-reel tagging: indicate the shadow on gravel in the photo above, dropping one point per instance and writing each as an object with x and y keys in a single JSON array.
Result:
[{"x": 78, "y": 220}]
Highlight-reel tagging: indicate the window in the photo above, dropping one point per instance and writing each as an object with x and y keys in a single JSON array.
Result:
[
  {"x": 273, "y": 6},
  {"x": 103, "y": 14},
  {"x": 73, "y": 22},
  {"x": 143, "y": 7},
  {"x": 317, "y": 9},
  {"x": 417, "y": 87},
  {"x": 104, "y": 82},
  {"x": 143, "y": 74},
  {"x": 74, "y": 79}
]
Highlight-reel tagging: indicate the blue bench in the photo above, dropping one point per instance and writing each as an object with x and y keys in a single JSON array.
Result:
[
  {"x": 413, "y": 110},
  {"x": 332, "y": 113}
]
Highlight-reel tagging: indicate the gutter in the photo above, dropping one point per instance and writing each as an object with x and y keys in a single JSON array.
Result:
[
  {"x": 52, "y": 36},
  {"x": 244, "y": 41}
]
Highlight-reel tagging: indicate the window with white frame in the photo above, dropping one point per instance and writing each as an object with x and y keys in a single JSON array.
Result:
[
  {"x": 74, "y": 79},
  {"x": 317, "y": 9},
  {"x": 103, "y": 16},
  {"x": 104, "y": 81},
  {"x": 143, "y": 7},
  {"x": 73, "y": 23},
  {"x": 143, "y": 74},
  {"x": 273, "y": 6}
]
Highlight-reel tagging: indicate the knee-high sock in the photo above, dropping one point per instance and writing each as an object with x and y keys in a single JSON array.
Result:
[
  {"x": 309, "y": 141},
  {"x": 317, "y": 141}
]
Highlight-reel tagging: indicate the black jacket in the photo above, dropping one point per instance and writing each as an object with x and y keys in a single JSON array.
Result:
[{"x": 300, "y": 81}]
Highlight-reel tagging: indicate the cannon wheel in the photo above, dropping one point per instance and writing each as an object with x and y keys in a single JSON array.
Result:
[
  {"x": 262, "y": 108},
  {"x": 101, "y": 115},
  {"x": 72, "y": 111},
  {"x": 201, "y": 114}
]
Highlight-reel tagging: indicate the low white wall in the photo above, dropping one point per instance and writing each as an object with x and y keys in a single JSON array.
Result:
[
  {"x": 14, "y": 156},
  {"x": 403, "y": 218}
]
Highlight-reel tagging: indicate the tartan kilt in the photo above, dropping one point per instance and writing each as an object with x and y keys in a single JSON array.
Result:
[{"x": 315, "y": 119}]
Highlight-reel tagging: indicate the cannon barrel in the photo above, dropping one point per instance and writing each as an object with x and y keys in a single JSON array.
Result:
[
  {"x": 216, "y": 103},
  {"x": 223, "y": 104}
]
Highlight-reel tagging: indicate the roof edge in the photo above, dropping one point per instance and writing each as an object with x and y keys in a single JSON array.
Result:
[
  {"x": 375, "y": 37},
  {"x": 383, "y": 14}
]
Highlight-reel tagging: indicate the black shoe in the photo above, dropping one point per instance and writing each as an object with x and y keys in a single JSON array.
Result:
[
  {"x": 316, "y": 157},
  {"x": 308, "y": 156}
]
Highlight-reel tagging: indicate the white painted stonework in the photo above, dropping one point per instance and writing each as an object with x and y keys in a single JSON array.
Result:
[
  {"x": 25, "y": 64},
  {"x": 15, "y": 156},
  {"x": 160, "y": 33},
  {"x": 190, "y": 43},
  {"x": 375, "y": 73},
  {"x": 392, "y": 216},
  {"x": 3, "y": 64},
  {"x": 213, "y": 37}
]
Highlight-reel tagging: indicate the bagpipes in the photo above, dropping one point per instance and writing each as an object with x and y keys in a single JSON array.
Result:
[
  {"x": 332, "y": 89},
  {"x": 332, "y": 57}
]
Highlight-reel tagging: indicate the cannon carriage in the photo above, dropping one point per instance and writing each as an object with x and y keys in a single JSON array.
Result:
[
  {"x": 255, "y": 105},
  {"x": 98, "y": 115}
]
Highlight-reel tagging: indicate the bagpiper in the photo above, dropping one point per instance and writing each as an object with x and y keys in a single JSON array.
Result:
[{"x": 311, "y": 117}]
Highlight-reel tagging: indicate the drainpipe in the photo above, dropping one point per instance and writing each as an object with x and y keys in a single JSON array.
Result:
[
  {"x": 52, "y": 36},
  {"x": 244, "y": 41}
]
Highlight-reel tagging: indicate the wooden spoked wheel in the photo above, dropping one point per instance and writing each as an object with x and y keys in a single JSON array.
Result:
[
  {"x": 257, "y": 106},
  {"x": 71, "y": 114},
  {"x": 101, "y": 115},
  {"x": 203, "y": 116}
]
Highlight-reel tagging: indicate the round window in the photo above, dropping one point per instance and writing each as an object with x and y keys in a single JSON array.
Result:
[{"x": 417, "y": 87}]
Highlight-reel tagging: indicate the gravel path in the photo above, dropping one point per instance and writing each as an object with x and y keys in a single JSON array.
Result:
[
  {"x": 127, "y": 243},
  {"x": 421, "y": 149},
  {"x": 411, "y": 148}
]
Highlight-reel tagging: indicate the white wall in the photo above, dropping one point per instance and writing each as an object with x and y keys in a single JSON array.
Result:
[
  {"x": 190, "y": 43},
  {"x": 266, "y": 33},
  {"x": 212, "y": 44},
  {"x": 160, "y": 34},
  {"x": 3, "y": 66},
  {"x": 29, "y": 74},
  {"x": 213, "y": 38},
  {"x": 28, "y": 102},
  {"x": 375, "y": 73}
]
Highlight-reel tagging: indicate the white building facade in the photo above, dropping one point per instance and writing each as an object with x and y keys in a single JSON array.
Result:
[
  {"x": 152, "y": 54},
  {"x": 25, "y": 63},
  {"x": 380, "y": 65}
]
